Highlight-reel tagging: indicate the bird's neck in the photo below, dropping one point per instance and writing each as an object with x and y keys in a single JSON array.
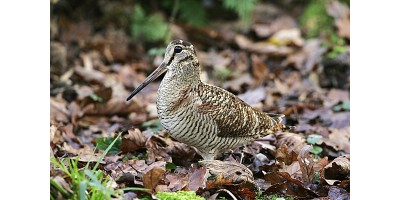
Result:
[{"x": 182, "y": 76}]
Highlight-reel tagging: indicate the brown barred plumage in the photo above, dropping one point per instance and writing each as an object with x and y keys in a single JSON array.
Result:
[{"x": 201, "y": 115}]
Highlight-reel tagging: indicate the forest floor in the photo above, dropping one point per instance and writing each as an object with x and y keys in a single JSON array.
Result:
[{"x": 273, "y": 67}]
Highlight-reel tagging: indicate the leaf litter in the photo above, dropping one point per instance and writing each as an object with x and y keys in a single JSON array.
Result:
[{"x": 277, "y": 70}]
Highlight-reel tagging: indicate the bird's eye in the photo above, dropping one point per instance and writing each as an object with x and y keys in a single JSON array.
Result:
[{"x": 177, "y": 49}]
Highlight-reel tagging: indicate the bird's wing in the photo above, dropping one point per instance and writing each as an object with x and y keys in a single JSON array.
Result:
[{"x": 233, "y": 117}]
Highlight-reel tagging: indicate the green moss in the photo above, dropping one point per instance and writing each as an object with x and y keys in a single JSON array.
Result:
[
  {"x": 180, "y": 195},
  {"x": 316, "y": 22},
  {"x": 278, "y": 197},
  {"x": 315, "y": 19}
]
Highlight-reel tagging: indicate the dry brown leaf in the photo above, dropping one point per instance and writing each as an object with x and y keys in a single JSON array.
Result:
[
  {"x": 341, "y": 13},
  {"x": 56, "y": 135},
  {"x": 280, "y": 23},
  {"x": 114, "y": 107},
  {"x": 337, "y": 170},
  {"x": 90, "y": 74},
  {"x": 284, "y": 156},
  {"x": 259, "y": 69},
  {"x": 152, "y": 177},
  {"x": 214, "y": 59},
  {"x": 117, "y": 46},
  {"x": 133, "y": 141},
  {"x": 85, "y": 150},
  {"x": 58, "y": 111},
  {"x": 308, "y": 58},
  {"x": 335, "y": 96},
  {"x": 306, "y": 164},
  {"x": 181, "y": 153},
  {"x": 261, "y": 47},
  {"x": 339, "y": 139},
  {"x": 75, "y": 111},
  {"x": 287, "y": 37},
  {"x": 177, "y": 181},
  {"x": 282, "y": 183},
  {"x": 254, "y": 96},
  {"x": 293, "y": 169},
  {"x": 94, "y": 157},
  {"x": 237, "y": 83},
  {"x": 197, "y": 178}
]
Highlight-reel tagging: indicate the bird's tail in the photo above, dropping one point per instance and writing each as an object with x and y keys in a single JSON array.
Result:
[{"x": 279, "y": 125}]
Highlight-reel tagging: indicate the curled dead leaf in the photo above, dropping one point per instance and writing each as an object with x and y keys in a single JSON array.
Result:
[
  {"x": 152, "y": 176},
  {"x": 306, "y": 164},
  {"x": 58, "y": 111},
  {"x": 90, "y": 74},
  {"x": 284, "y": 156},
  {"x": 282, "y": 183},
  {"x": 133, "y": 141},
  {"x": 177, "y": 181},
  {"x": 339, "y": 139},
  {"x": 337, "y": 170}
]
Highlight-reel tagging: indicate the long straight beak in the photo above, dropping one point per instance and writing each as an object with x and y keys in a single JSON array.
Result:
[{"x": 156, "y": 73}]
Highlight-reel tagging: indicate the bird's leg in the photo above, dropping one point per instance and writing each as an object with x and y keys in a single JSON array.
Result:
[{"x": 241, "y": 157}]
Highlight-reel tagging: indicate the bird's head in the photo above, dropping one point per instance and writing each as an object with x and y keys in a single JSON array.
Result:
[{"x": 180, "y": 57}]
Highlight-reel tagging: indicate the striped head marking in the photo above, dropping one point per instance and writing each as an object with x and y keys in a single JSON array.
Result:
[{"x": 179, "y": 54}]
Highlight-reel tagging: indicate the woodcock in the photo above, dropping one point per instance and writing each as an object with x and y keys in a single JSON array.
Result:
[{"x": 201, "y": 115}]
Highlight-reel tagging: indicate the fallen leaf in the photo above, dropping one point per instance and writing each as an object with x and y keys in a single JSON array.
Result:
[
  {"x": 254, "y": 96},
  {"x": 152, "y": 176},
  {"x": 133, "y": 141},
  {"x": 306, "y": 164},
  {"x": 58, "y": 111},
  {"x": 85, "y": 150},
  {"x": 282, "y": 183},
  {"x": 335, "y": 96},
  {"x": 213, "y": 59},
  {"x": 339, "y": 139},
  {"x": 177, "y": 181},
  {"x": 259, "y": 69},
  {"x": 284, "y": 156},
  {"x": 308, "y": 58},
  {"x": 264, "y": 30},
  {"x": 114, "y": 107},
  {"x": 285, "y": 37},
  {"x": 197, "y": 178},
  {"x": 341, "y": 13},
  {"x": 238, "y": 83},
  {"x": 337, "y": 170},
  {"x": 261, "y": 47},
  {"x": 90, "y": 74},
  {"x": 293, "y": 169}
]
